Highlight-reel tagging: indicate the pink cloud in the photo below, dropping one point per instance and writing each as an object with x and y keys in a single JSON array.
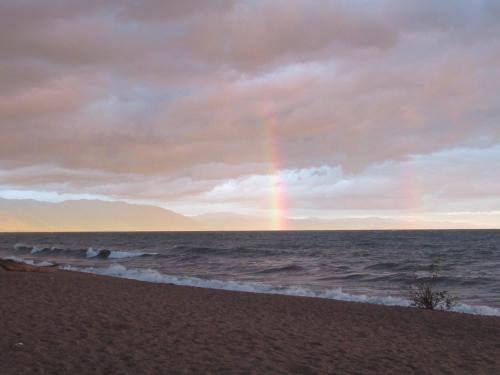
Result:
[{"x": 157, "y": 92}]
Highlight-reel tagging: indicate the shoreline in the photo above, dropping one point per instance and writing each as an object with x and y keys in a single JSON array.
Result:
[
  {"x": 335, "y": 294},
  {"x": 156, "y": 277},
  {"x": 80, "y": 322}
]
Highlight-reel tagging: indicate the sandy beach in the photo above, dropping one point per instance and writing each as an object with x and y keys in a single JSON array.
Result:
[{"x": 74, "y": 323}]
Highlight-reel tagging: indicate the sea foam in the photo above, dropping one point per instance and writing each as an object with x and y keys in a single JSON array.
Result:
[
  {"x": 36, "y": 249},
  {"x": 154, "y": 276},
  {"x": 117, "y": 254}
]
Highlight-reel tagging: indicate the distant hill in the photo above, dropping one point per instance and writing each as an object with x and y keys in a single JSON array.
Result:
[
  {"x": 229, "y": 221},
  {"x": 374, "y": 223},
  {"x": 92, "y": 215},
  {"x": 238, "y": 222},
  {"x": 88, "y": 215}
]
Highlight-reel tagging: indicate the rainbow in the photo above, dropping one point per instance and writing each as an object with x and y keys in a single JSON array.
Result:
[{"x": 278, "y": 198}]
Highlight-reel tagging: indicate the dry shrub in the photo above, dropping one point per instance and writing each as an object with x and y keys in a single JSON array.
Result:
[{"x": 423, "y": 294}]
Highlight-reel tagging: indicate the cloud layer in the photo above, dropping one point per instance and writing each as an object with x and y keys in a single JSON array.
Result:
[{"x": 185, "y": 103}]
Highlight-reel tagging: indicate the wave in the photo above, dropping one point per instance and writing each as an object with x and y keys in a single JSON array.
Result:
[
  {"x": 289, "y": 268},
  {"x": 115, "y": 254},
  {"x": 22, "y": 246},
  {"x": 36, "y": 250},
  {"x": 383, "y": 266},
  {"x": 180, "y": 252},
  {"x": 88, "y": 253},
  {"x": 154, "y": 276},
  {"x": 237, "y": 252}
]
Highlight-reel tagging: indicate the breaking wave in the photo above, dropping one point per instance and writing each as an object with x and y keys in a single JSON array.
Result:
[
  {"x": 82, "y": 253},
  {"x": 115, "y": 254}
]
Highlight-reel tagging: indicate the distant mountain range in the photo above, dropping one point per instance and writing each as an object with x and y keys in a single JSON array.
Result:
[
  {"x": 88, "y": 215},
  {"x": 238, "y": 222},
  {"x": 93, "y": 215}
]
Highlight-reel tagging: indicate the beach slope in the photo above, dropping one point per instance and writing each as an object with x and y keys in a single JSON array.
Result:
[{"x": 66, "y": 322}]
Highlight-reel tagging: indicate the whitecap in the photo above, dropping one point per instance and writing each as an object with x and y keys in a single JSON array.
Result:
[
  {"x": 36, "y": 249},
  {"x": 91, "y": 252},
  {"x": 115, "y": 254}
]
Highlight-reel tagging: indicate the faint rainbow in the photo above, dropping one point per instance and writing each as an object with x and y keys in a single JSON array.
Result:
[{"x": 278, "y": 198}]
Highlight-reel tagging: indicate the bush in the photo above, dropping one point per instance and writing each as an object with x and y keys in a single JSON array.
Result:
[{"x": 423, "y": 294}]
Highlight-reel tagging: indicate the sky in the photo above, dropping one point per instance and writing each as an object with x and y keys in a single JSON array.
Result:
[{"x": 276, "y": 108}]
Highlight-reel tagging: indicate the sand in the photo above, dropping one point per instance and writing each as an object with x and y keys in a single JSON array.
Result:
[{"x": 74, "y": 323}]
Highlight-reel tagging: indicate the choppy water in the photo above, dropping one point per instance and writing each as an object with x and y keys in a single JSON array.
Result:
[{"x": 371, "y": 266}]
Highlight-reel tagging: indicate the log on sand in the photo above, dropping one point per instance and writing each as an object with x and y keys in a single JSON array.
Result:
[{"x": 11, "y": 265}]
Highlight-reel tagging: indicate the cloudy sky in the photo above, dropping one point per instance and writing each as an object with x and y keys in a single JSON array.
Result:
[{"x": 326, "y": 109}]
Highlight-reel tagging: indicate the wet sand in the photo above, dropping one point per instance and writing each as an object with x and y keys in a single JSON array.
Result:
[{"x": 73, "y": 323}]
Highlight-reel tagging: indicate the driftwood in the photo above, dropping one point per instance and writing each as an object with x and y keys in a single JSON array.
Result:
[{"x": 11, "y": 265}]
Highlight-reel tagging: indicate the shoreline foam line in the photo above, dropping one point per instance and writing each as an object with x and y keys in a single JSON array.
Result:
[{"x": 153, "y": 276}]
